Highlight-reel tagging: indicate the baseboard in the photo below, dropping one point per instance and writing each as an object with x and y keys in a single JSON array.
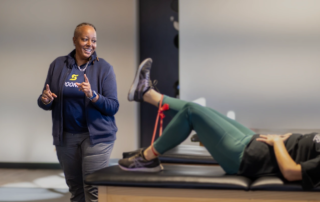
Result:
[{"x": 30, "y": 165}]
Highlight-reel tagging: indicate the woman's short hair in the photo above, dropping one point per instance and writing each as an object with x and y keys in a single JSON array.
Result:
[{"x": 83, "y": 24}]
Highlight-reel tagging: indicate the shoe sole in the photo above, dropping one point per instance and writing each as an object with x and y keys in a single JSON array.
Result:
[
  {"x": 136, "y": 80},
  {"x": 150, "y": 170}
]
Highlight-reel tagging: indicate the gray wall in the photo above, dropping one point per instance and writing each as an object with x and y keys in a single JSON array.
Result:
[
  {"x": 32, "y": 34},
  {"x": 259, "y": 58}
]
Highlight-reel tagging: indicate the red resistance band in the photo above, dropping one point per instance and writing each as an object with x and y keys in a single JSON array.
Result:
[{"x": 163, "y": 108}]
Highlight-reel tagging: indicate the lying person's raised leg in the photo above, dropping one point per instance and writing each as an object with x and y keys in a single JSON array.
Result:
[{"x": 224, "y": 138}]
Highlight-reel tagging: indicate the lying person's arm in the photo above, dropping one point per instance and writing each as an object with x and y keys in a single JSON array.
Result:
[{"x": 289, "y": 169}]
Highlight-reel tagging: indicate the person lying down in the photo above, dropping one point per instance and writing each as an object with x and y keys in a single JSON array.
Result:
[{"x": 238, "y": 150}]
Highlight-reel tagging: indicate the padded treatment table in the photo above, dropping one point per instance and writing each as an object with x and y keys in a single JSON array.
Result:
[
  {"x": 189, "y": 183},
  {"x": 185, "y": 154}
]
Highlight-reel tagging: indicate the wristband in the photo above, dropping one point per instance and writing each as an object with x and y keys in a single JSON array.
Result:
[{"x": 94, "y": 95}]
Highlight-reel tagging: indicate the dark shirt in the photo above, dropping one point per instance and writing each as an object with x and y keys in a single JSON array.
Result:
[
  {"x": 74, "y": 118},
  {"x": 259, "y": 158}
]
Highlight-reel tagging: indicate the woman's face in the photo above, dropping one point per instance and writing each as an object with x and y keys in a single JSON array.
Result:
[{"x": 85, "y": 42}]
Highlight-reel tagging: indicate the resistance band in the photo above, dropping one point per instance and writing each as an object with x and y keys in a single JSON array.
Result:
[{"x": 163, "y": 108}]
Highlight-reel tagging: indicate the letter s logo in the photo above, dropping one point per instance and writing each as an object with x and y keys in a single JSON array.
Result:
[{"x": 74, "y": 77}]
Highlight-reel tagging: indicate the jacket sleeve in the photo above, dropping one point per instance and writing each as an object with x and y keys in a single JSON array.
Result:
[
  {"x": 108, "y": 103},
  {"x": 48, "y": 81}
]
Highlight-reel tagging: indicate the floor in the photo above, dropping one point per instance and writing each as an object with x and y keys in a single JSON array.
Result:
[{"x": 34, "y": 185}]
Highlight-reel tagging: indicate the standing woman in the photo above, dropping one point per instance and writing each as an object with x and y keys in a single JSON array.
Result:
[{"x": 81, "y": 91}]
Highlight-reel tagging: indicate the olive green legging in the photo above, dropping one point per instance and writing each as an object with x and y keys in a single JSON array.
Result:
[{"x": 224, "y": 138}]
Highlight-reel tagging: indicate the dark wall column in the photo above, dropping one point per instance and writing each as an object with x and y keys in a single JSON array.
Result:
[{"x": 159, "y": 41}]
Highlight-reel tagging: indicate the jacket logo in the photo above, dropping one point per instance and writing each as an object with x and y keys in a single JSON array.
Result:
[
  {"x": 70, "y": 84},
  {"x": 74, "y": 77}
]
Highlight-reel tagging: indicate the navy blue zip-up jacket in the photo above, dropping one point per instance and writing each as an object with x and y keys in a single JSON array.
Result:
[{"x": 99, "y": 115}]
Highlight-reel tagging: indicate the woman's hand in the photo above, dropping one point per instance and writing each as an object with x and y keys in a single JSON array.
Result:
[
  {"x": 85, "y": 87},
  {"x": 271, "y": 139},
  {"x": 47, "y": 95},
  {"x": 290, "y": 170}
]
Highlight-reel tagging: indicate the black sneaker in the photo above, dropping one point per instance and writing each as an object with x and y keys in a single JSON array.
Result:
[
  {"x": 141, "y": 82},
  {"x": 131, "y": 153},
  {"x": 138, "y": 163}
]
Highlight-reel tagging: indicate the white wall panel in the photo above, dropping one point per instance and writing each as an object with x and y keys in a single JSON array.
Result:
[
  {"x": 32, "y": 34},
  {"x": 258, "y": 58}
]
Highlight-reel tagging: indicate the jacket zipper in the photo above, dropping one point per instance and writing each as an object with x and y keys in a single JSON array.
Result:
[
  {"x": 61, "y": 110},
  {"x": 87, "y": 103}
]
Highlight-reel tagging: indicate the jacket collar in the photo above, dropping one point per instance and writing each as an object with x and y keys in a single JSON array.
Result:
[{"x": 72, "y": 61}]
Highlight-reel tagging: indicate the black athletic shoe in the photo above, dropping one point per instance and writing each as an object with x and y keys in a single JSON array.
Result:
[
  {"x": 141, "y": 82},
  {"x": 138, "y": 163},
  {"x": 131, "y": 153}
]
